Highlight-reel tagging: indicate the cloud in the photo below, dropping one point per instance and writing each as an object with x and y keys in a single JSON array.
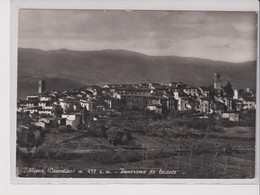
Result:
[{"x": 150, "y": 32}]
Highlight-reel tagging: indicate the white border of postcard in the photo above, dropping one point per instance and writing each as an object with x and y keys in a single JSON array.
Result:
[{"x": 195, "y": 5}]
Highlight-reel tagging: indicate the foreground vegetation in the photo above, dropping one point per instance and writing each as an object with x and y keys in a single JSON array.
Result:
[{"x": 190, "y": 147}]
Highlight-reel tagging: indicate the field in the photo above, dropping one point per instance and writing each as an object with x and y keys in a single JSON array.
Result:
[{"x": 156, "y": 149}]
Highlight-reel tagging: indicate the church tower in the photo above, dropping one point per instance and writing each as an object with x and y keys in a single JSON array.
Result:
[
  {"x": 41, "y": 86},
  {"x": 217, "y": 81}
]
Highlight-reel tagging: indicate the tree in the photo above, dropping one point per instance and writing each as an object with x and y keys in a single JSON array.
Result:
[
  {"x": 76, "y": 124},
  {"x": 58, "y": 111},
  {"x": 68, "y": 128},
  {"x": 117, "y": 136},
  {"x": 69, "y": 109},
  {"x": 228, "y": 89},
  {"x": 111, "y": 123}
]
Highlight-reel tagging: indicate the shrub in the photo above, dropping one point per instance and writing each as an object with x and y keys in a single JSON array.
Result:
[
  {"x": 117, "y": 136},
  {"x": 97, "y": 132}
]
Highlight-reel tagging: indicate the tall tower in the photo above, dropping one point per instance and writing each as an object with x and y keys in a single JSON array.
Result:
[
  {"x": 217, "y": 81},
  {"x": 41, "y": 86}
]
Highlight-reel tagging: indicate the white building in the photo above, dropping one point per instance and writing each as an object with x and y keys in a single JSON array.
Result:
[
  {"x": 46, "y": 112},
  {"x": 231, "y": 116},
  {"x": 248, "y": 103},
  {"x": 31, "y": 110},
  {"x": 236, "y": 94},
  {"x": 32, "y": 97},
  {"x": 70, "y": 118},
  {"x": 45, "y": 98},
  {"x": 191, "y": 91}
]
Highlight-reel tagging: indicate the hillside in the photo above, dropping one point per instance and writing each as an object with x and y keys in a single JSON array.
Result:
[{"x": 65, "y": 69}]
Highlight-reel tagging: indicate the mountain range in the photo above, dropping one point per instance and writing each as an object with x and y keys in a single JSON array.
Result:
[{"x": 66, "y": 69}]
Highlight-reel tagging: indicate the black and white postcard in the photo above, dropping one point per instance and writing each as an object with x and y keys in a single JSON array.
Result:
[{"x": 136, "y": 94}]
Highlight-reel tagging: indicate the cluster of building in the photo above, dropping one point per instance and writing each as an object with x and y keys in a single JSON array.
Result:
[{"x": 91, "y": 104}]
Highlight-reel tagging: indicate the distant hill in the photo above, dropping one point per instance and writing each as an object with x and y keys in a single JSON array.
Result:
[{"x": 65, "y": 69}]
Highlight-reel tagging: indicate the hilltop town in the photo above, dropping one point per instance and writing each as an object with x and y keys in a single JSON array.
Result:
[
  {"x": 66, "y": 107},
  {"x": 141, "y": 125}
]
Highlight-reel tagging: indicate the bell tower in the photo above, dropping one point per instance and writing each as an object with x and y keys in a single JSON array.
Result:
[
  {"x": 217, "y": 81},
  {"x": 41, "y": 86}
]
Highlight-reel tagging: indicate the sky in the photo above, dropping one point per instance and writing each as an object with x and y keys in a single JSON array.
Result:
[{"x": 221, "y": 36}]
